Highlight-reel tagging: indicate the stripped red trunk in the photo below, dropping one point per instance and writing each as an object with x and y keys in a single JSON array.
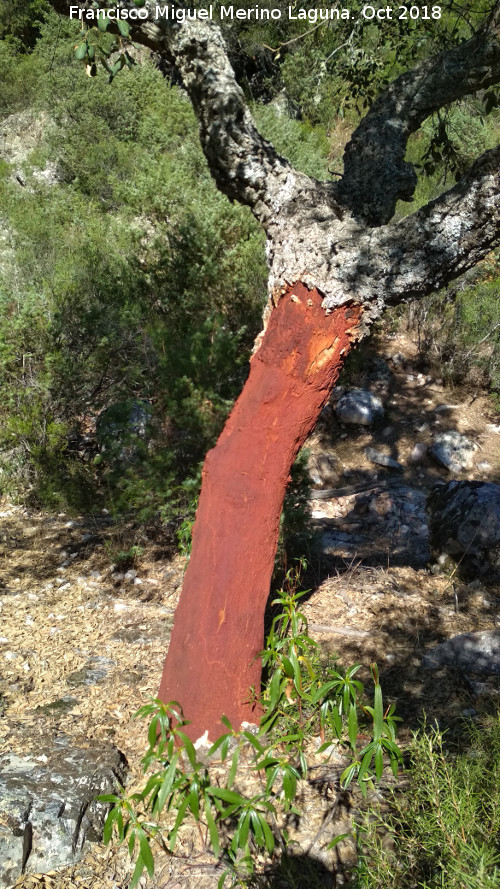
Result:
[{"x": 218, "y": 630}]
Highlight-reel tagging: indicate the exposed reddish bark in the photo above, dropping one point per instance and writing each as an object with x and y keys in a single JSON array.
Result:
[{"x": 218, "y": 630}]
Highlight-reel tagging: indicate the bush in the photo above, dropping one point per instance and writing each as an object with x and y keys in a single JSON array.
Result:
[{"x": 443, "y": 828}]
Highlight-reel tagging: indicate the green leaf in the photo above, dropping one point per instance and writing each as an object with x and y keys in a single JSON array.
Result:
[
  {"x": 102, "y": 23},
  {"x": 229, "y": 796},
  {"x": 194, "y": 803},
  {"x": 189, "y": 748},
  {"x": 347, "y": 775},
  {"x": 243, "y": 829},
  {"x": 146, "y": 854},
  {"x": 136, "y": 876},
  {"x": 378, "y": 713},
  {"x": 166, "y": 786},
  {"x": 234, "y": 766},
  {"x": 140, "y": 3},
  {"x": 91, "y": 52},
  {"x": 181, "y": 813},
  {"x": 108, "y": 826},
  {"x": 123, "y": 27},
  {"x": 379, "y": 762},
  {"x": 352, "y": 726},
  {"x": 288, "y": 667},
  {"x": 268, "y": 836},
  {"x": 257, "y": 828},
  {"x": 338, "y": 839},
  {"x": 212, "y": 829},
  {"x": 289, "y": 785},
  {"x": 81, "y": 51}
]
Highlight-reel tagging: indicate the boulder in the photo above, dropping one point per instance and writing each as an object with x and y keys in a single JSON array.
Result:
[
  {"x": 453, "y": 451},
  {"x": 359, "y": 406},
  {"x": 123, "y": 428},
  {"x": 48, "y": 808},
  {"x": 381, "y": 459},
  {"x": 470, "y": 652},
  {"x": 464, "y": 522}
]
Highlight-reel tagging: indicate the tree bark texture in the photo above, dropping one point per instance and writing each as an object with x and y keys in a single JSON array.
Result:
[{"x": 218, "y": 632}]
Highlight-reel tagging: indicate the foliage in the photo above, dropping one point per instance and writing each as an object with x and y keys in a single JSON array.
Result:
[
  {"x": 301, "y": 697},
  {"x": 444, "y": 830},
  {"x": 131, "y": 278}
]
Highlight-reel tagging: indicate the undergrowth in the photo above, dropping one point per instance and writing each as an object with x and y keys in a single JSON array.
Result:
[
  {"x": 443, "y": 831},
  {"x": 305, "y": 702}
]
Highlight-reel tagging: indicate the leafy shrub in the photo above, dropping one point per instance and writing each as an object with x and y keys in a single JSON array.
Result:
[
  {"x": 443, "y": 830},
  {"x": 300, "y": 698}
]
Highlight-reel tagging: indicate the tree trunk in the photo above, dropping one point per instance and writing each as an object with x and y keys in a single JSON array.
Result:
[{"x": 212, "y": 661}]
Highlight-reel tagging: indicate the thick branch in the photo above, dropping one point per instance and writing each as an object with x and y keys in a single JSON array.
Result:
[
  {"x": 244, "y": 165},
  {"x": 375, "y": 172},
  {"x": 427, "y": 250}
]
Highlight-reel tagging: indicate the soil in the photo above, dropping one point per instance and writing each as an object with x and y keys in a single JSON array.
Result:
[{"x": 62, "y": 604}]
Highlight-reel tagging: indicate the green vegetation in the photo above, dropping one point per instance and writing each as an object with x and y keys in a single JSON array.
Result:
[
  {"x": 443, "y": 831},
  {"x": 302, "y": 697}
]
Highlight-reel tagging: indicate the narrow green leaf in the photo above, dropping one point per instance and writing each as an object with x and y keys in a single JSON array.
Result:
[
  {"x": 379, "y": 762},
  {"x": 347, "y": 775},
  {"x": 189, "y": 748},
  {"x": 378, "y": 714},
  {"x": 243, "y": 829},
  {"x": 229, "y": 796},
  {"x": 108, "y": 825},
  {"x": 166, "y": 786},
  {"x": 338, "y": 839},
  {"x": 212, "y": 829},
  {"x": 257, "y": 828},
  {"x": 147, "y": 855},
  {"x": 289, "y": 786},
  {"x": 136, "y": 876},
  {"x": 123, "y": 27},
  {"x": 194, "y": 803},
  {"x": 352, "y": 726},
  {"x": 181, "y": 812},
  {"x": 268, "y": 835},
  {"x": 234, "y": 766}
]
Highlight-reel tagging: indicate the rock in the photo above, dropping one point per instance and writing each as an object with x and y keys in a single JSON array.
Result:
[
  {"x": 123, "y": 429},
  {"x": 453, "y": 451},
  {"x": 359, "y": 406},
  {"x": 92, "y": 673},
  {"x": 471, "y": 652},
  {"x": 418, "y": 454},
  {"x": 48, "y": 811},
  {"x": 464, "y": 522},
  {"x": 381, "y": 459},
  {"x": 484, "y": 466}
]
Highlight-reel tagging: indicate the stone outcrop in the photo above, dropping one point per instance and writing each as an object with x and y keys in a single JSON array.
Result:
[
  {"x": 470, "y": 652},
  {"x": 48, "y": 808},
  {"x": 464, "y": 523}
]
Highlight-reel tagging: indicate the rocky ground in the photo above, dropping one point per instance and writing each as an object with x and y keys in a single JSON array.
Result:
[{"x": 82, "y": 644}]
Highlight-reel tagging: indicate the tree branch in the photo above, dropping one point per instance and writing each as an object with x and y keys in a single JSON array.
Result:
[
  {"x": 376, "y": 175},
  {"x": 428, "y": 249}
]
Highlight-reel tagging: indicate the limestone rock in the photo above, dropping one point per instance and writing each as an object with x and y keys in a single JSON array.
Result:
[
  {"x": 381, "y": 459},
  {"x": 471, "y": 652},
  {"x": 359, "y": 406},
  {"x": 464, "y": 522},
  {"x": 48, "y": 811},
  {"x": 453, "y": 451}
]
